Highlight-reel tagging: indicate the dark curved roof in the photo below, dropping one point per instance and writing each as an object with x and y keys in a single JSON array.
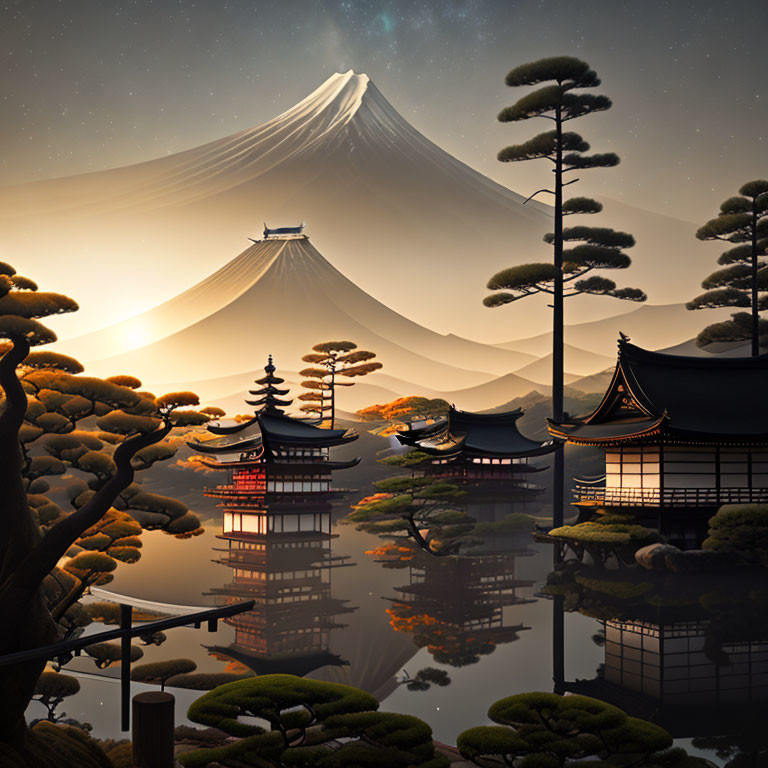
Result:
[
  {"x": 272, "y": 431},
  {"x": 231, "y": 429},
  {"x": 298, "y": 664},
  {"x": 483, "y": 434},
  {"x": 288, "y": 431},
  {"x": 693, "y": 397}
]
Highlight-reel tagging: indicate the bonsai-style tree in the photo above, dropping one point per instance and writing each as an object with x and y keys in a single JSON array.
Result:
[
  {"x": 425, "y": 678},
  {"x": 107, "y": 654},
  {"x": 606, "y": 536},
  {"x": 332, "y": 359},
  {"x": 551, "y": 731},
  {"x": 162, "y": 671},
  {"x": 51, "y": 690},
  {"x": 44, "y": 399},
  {"x": 446, "y": 641},
  {"x": 310, "y": 723},
  {"x": 594, "y": 248},
  {"x": 415, "y": 507},
  {"x": 742, "y": 530},
  {"x": 743, "y": 282}
]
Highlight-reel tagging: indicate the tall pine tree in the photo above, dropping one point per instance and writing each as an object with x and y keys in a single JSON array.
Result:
[
  {"x": 743, "y": 282},
  {"x": 595, "y": 248}
]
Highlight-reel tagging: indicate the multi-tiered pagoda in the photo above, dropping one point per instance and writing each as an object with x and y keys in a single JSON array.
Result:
[
  {"x": 280, "y": 467},
  {"x": 485, "y": 453},
  {"x": 277, "y": 526},
  {"x": 678, "y": 432}
]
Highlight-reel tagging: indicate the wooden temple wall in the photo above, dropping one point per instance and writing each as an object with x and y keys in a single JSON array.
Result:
[{"x": 673, "y": 467}]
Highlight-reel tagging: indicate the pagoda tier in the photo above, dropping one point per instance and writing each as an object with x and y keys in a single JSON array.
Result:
[
  {"x": 269, "y": 393},
  {"x": 280, "y": 461},
  {"x": 276, "y": 437},
  {"x": 677, "y": 431},
  {"x": 286, "y": 570}
]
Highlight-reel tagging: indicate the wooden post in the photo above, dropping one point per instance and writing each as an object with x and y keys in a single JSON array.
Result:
[
  {"x": 152, "y": 735},
  {"x": 126, "y": 617}
]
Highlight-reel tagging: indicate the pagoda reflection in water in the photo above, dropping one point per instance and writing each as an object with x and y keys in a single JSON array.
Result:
[
  {"x": 458, "y": 607},
  {"x": 276, "y": 524}
]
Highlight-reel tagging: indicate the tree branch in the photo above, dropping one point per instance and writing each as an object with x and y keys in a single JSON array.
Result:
[
  {"x": 60, "y": 537},
  {"x": 15, "y": 397},
  {"x": 536, "y": 193}
]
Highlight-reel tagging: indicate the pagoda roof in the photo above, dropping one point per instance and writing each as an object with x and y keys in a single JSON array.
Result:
[
  {"x": 268, "y": 390},
  {"x": 232, "y": 429},
  {"x": 479, "y": 434},
  {"x": 272, "y": 430},
  {"x": 286, "y": 430},
  {"x": 284, "y": 467},
  {"x": 688, "y": 399},
  {"x": 299, "y": 664}
]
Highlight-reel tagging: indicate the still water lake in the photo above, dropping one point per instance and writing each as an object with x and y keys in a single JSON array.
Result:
[{"x": 485, "y": 623}]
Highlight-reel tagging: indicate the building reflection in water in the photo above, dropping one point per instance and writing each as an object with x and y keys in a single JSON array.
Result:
[
  {"x": 286, "y": 568},
  {"x": 688, "y": 651},
  {"x": 672, "y": 663},
  {"x": 460, "y": 607}
]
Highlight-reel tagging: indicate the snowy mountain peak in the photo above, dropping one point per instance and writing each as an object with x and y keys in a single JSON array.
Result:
[{"x": 337, "y": 100}]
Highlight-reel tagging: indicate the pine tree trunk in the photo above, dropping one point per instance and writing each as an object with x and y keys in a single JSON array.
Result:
[
  {"x": 26, "y": 621},
  {"x": 333, "y": 396},
  {"x": 755, "y": 312},
  {"x": 558, "y": 480}
]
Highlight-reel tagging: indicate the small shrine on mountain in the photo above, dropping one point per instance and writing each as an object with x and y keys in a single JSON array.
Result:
[
  {"x": 678, "y": 432},
  {"x": 485, "y": 453},
  {"x": 284, "y": 233}
]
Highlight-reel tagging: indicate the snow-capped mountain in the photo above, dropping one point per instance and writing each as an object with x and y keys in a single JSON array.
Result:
[{"x": 396, "y": 213}]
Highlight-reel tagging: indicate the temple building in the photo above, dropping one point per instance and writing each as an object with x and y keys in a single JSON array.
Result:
[
  {"x": 485, "y": 453},
  {"x": 276, "y": 522},
  {"x": 280, "y": 470},
  {"x": 677, "y": 432}
]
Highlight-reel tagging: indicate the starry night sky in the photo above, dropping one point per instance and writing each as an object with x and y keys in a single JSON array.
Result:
[{"x": 89, "y": 84}]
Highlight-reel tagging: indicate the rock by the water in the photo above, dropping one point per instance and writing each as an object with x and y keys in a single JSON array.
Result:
[{"x": 654, "y": 556}]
